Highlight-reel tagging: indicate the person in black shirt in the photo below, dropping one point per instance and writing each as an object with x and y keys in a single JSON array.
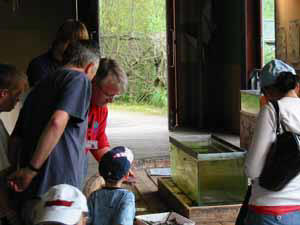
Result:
[{"x": 45, "y": 64}]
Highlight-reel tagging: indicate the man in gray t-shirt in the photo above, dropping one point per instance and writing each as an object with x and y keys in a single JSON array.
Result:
[{"x": 52, "y": 125}]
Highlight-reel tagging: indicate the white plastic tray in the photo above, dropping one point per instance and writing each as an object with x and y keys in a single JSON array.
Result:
[{"x": 162, "y": 217}]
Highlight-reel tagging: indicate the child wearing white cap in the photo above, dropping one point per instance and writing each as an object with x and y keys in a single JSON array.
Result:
[
  {"x": 113, "y": 205},
  {"x": 63, "y": 204}
]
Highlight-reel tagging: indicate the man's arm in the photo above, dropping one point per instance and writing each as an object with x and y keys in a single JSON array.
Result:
[
  {"x": 49, "y": 138},
  {"x": 98, "y": 153}
]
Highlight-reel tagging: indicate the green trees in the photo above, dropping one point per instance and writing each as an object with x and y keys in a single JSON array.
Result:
[
  {"x": 269, "y": 34},
  {"x": 269, "y": 9},
  {"x": 133, "y": 32}
]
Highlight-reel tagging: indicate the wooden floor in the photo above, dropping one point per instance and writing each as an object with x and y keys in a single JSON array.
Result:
[{"x": 146, "y": 192}]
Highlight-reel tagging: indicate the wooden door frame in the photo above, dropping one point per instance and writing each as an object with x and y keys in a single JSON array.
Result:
[
  {"x": 253, "y": 39},
  {"x": 88, "y": 13},
  {"x": 172, "y": 65}
]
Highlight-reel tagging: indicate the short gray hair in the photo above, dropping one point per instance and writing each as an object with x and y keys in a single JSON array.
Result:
[
  {"x": 107, "y": 67},
  {"x": 81, "y": 53}
]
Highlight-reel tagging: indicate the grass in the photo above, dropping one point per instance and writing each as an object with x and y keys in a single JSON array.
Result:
[{"x": 144, "y": 108}]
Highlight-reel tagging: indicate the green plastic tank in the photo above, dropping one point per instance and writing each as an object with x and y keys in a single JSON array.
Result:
[{"x": 208, "y": 170}]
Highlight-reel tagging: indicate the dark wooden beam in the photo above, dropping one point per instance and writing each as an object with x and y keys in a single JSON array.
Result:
[
  {"x": 88, "y": 13},
  {"x": 253, "y": 40},
  {"x": 172, "y": 78}
]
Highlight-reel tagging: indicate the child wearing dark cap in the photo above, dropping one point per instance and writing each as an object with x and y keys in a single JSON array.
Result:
[{"x": 113, "y": 205}]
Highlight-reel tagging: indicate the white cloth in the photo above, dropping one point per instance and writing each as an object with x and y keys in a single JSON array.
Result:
[
  {"x": 264, "y": 136},
  {"x": 4, "y": 164}
]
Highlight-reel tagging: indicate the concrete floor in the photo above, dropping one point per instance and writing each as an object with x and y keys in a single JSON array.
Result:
[{"x": 146, "y": 135}]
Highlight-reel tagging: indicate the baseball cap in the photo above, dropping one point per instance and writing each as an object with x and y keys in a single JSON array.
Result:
[
  {"x": 115, "y": 163},
  {"x": 271, "y": 71},
  {"x": 63, "y": 203}
]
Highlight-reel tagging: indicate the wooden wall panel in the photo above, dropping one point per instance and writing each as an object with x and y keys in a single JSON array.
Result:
[
  {"x": 209, "y": 75},
  {"x": 288, "y": 25},
  {"x": 27, "y": 33}
]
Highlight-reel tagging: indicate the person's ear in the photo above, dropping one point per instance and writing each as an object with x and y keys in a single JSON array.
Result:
[{"x": 90, "y": 70}]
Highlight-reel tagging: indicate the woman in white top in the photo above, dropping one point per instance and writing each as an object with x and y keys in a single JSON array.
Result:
[{"x": 278, "y": 82}]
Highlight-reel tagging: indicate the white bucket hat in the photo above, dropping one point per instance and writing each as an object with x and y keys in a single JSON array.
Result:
[{"x": 63, "y": 203}]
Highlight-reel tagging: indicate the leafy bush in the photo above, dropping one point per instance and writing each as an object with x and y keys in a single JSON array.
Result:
[
  {"x": 159, "y": 98},
  {"x": 134, "y": 33}
]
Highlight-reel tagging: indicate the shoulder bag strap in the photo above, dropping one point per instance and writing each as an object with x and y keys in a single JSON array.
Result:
[{"x": 276, "y": 107}]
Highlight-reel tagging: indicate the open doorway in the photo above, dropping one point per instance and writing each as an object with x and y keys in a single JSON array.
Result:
[
  {"x": 268, "y": 30},
  {"x": 134, "y": 33}
]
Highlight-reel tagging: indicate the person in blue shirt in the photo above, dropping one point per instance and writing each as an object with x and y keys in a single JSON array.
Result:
[
  {"x": 113, "y": 205},
  {"x": 52, "y": 127}
]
